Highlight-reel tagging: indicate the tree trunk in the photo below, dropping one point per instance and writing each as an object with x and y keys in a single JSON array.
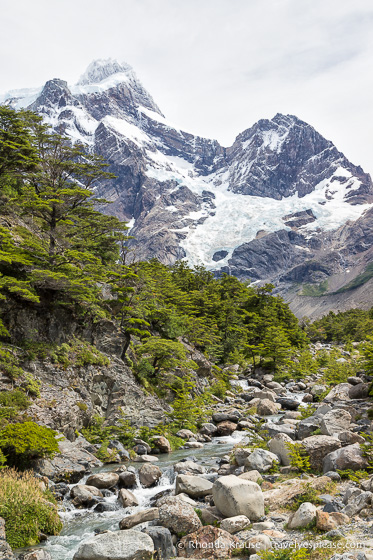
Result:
[{"x": 127, "y": 340}]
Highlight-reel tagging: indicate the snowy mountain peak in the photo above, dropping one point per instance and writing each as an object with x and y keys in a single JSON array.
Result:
[{"x": 101, "y": 69}]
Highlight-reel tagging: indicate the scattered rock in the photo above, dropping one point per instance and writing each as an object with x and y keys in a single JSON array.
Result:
[
  {"x": 278, "y": 446},
  {"x": 208, "y": 542},
  {"x": 356, "y": 504},
  {"x": 188, "y": 467},
  {"x": 145, "y": 459},
  {"x": 83, "y": 495},
  {"x": 349, "y": 457},
  {"x": 303, "y": 517},
  {"x": 324, "y": 522},
  {"x": 334, "y": 422},
  {"x": 194, "y": 486},
  {"x": 317, "y": 447},
  {"x": 179, "y": 517},
  {"x": 235, "y": 524},
  {"x": 130, "y": 521},
  {"x": 162, "y": 540},
  {"x": 261, "y": 460}
]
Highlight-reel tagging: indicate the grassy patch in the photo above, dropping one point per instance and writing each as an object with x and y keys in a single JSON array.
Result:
[
  {"x": 26, "y": 508},
  {"x": 314, "y": 290},
  {"x": 358, "y": 281}
]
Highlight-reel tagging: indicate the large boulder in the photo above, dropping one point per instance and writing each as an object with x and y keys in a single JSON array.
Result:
[
  {"x": 236, "y": 496},
  {"x": 208, "y": 542},
  {"x": 267, "y": 407},
  {"x": 162, "y": 540},
  {"x": 226, "y": 428},
  {"x": 149, "y": 475},
  {"x": 193, "y": 486},
  {"x": 241, "y": 454},
  {"x": 122, "y": 545},
  {"x": 360, "y": 391},
  {"x": 278, "y": 446},
  {"x": 273, "y": 429},
  {"x": 334, "y": 422},
  {"x": 261, "y": 460},
  {"x": 127, "y": 479},
  {"x": 84, "y": 495},
  {"x": 179, "y": 517},
  {"x": 287, "y": 403},
  {"x": 70, "y": 465},
  {"x": 305, "y": 515},
  {"x": 317, "y": 447},
  {"x": 103, "y": 480},
  {"x": 143, "y": 516},
  {"x": 307, "y": 426},
  {"x": 265, "y": 394},
  {"x": 347, "y": 458},
  {"x": 188, "y": 467},
  {"x": 208, "y": 429},
  {"x": 162, "y": 444},
  {"x": 127, "y": 499},
  {"x": 339, "y": 393}
]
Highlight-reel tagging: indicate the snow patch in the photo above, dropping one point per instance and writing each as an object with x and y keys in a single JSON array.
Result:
[{"x": 128, "y": 130}]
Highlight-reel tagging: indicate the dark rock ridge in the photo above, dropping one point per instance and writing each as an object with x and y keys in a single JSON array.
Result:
[{"x": 282, "y": 204}]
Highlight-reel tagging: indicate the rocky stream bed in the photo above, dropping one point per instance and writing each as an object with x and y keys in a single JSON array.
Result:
[{"x": 217, "y": 497}]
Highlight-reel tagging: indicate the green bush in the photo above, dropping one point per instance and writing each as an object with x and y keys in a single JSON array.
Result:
[
  {"x": 309, "y": 494},
  {"x": 25, "y": 441},
  {"x": 12, "y": 402},
  {"x": 284, "y": 554},
  {"x": 26, "y": 508},
  {"x": 298, "y": 457},
  {"x": 9, "y": 363}
]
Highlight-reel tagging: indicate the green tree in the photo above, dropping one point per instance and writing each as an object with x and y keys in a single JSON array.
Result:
[
  {"x": 276, "y": 346},
  {"x": 165, "y": 354}
]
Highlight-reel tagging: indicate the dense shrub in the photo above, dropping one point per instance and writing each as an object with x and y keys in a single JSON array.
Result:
[
  {"x": 25, "y": 441},
  {"x": 26, "y": 508}
]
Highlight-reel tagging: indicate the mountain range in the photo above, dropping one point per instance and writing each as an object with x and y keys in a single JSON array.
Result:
[{"x": 280, "y": 205}]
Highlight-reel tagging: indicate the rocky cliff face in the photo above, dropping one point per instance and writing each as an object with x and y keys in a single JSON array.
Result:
[{"x": 282, "y": 204}]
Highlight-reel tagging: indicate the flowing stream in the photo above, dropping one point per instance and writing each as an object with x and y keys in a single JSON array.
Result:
[{"x": 80, "y": 524}]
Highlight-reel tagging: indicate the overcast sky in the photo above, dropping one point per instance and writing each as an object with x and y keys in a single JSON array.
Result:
[{"x": 213, "y": 66}]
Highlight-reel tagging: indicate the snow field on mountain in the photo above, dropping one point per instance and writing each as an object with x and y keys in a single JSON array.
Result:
[{"x": 238, "y": 218}]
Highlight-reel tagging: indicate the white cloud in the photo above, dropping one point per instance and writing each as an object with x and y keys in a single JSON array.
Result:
[{"x": 213, "y": 66}]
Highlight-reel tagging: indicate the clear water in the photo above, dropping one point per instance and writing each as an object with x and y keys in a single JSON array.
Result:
[{"x": 81, "y": 524}]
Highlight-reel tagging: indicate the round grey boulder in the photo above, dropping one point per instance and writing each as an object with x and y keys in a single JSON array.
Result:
[{"x": 123, "y": 545}]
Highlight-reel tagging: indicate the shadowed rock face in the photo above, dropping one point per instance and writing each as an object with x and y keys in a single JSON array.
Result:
[{"x": 282, "y": 204}]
